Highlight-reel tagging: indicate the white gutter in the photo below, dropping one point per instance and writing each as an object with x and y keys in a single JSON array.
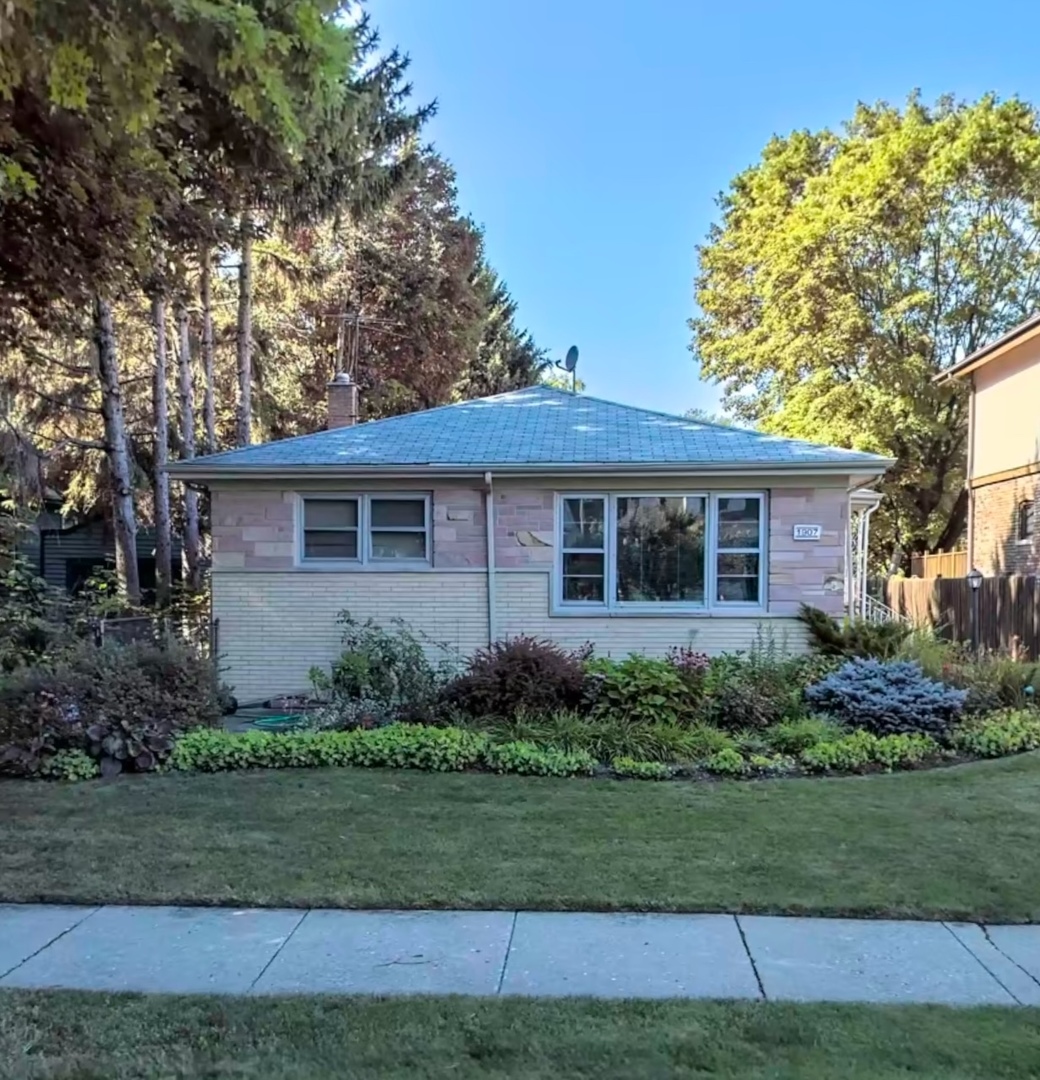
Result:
[
  {"x": 199, "y": 471},
  {"x": 489, "y": 517},
  {"x": 970, "y": 472}
]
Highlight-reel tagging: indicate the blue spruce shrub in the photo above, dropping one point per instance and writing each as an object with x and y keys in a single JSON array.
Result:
[{"x": 887, "y": 697}]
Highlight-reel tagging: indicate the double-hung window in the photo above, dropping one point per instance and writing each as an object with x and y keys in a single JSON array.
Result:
[
  {"x": 364, "y": 530},
  {"x": 641, "y": 553},
  {"x": 1026, "y": 522}
]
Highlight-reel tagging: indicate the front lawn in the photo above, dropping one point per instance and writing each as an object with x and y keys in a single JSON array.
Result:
[
  {"x": 962, "y": 842},
  {"x": 110, "y": 1037}
]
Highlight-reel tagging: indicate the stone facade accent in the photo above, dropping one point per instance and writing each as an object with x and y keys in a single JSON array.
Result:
[
  {"x": 252, "y": 529},
  {"x": 459, "y": 528},
  {"x": 255, "y": 529},
  {"x": 524, "y": 529},
  {"x": 997, "y": 548},
  {"x": 809, "y": 572}
]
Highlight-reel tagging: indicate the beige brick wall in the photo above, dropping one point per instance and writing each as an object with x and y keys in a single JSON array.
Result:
[
  {"x": 522, "y": 607},
  {"x": 810, "y": 572},
  {"x": 274, "y": 626},
  {"x": 997, "y": 550},
  {"x": 459, "y": 528}
]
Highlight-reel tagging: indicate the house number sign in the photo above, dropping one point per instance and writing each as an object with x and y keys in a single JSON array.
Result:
[{"x": 808, "y": 532}]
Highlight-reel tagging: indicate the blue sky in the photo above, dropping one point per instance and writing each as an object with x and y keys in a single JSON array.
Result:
[{"x": 591, "y": 138}]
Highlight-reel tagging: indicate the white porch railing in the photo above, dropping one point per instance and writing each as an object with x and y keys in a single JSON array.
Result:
[{"x": 875, "y": 611}]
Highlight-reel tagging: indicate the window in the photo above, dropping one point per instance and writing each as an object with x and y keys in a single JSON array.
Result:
[
  {"x": 364, "y": 529},
  {"x": 1026, "y": 521},
  {"x": 330, "y": 528},
  {"x": 584, "y": 557},
  {"x": 637, "y": 552}
]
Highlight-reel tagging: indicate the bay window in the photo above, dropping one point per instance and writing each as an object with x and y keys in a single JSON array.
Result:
[
  {"x": 645, "y": 553},
  {"x": 363, "y": 530}
]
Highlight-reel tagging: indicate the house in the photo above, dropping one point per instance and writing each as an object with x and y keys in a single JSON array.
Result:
[
  {"x": 1003, "y": 474},
  {"x": 535, "y": 512},
  {"x": 66, "y": 553}
]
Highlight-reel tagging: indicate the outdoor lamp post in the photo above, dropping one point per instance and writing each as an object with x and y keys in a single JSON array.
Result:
[{"x": 975, "y": 581}]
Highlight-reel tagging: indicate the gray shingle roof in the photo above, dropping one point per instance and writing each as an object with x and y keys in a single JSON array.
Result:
[{"x": 536, "y": 426}]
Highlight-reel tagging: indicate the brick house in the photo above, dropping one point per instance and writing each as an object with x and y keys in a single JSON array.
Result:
[
  {"x": 533, "y": 512},
  {"x": 1003, "y": 473}
]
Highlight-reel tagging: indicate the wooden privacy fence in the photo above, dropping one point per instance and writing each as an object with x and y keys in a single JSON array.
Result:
[
  {"x": 944, "y": 564},
  {"x": 1009, "y": 609}
]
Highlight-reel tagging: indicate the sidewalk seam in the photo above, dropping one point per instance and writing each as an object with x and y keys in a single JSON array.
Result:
[
  {"x": 1025, "y": 971},
  {"x": 505, "y": 959},
  {"x": 751, "y": 959},
  {"x": 982, "y": 964},
  {"x": 278, "y": 951},
  {"x": 57, "y": 937}
]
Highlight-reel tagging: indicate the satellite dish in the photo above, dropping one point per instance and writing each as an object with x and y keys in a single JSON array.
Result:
[{"x": 571, "y": 360}]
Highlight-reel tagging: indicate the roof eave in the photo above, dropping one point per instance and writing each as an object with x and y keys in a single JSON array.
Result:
[
  {"x": 1017, "y": 335},
  {"x": 200, "y": 472}
]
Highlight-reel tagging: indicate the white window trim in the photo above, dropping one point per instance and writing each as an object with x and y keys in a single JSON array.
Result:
[
  {"x": 1019, "y": 539},
  {"x": 365, "y": 560},
  {"x": 663, "y": 609}
]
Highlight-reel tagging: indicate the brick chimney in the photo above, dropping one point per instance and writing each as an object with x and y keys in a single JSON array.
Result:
[{"x": 343, "y": 402}]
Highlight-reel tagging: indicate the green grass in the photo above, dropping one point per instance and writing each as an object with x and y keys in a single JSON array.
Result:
[
  {"x": 961, "y": 842},
  {"x": 108, "y": 1037}
]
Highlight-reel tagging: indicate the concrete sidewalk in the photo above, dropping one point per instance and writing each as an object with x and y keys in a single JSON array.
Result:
[{"x": 255, "y": 951}]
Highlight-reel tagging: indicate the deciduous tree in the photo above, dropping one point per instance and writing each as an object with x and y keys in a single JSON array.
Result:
[{"x": 850, "y": 267}]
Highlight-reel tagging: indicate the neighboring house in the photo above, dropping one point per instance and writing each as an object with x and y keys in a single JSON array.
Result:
[
  {"x": 66, "y": 555},
  {"x": 1003, "y": 474},
  {"x": 534, "y": 512}
]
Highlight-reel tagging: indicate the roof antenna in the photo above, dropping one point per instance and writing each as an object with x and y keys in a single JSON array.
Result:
[{"x": 570, "y": 363}]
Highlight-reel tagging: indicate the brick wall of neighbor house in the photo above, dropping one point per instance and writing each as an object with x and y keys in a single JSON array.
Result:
[
  {"x": 275, "y": 626},
  {"x": 997, "y": 550}
]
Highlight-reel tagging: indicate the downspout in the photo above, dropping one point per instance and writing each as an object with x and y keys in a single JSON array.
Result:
[
  {"x": 489, "y": 516},
  {"x": 970, "y": 473},
  {"x": 863, "y": 553}
]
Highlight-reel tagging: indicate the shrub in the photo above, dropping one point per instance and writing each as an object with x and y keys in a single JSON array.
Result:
[
  {"x": 770, "y": 764},
  {"x": 639, "y": 689},
  {"x": 847, "y": 754},
  {"x": 999, "y": 734},
  {"x": 794, "y": 736},
  {"x": 384, "y": 665},
  {"x": 69, "y": 765},
  {"x": 691, "y": 665},
  {"x": 523, "y": 672},
  {"x": 528, "y": 759},
  {"x": 887, "y": 698},
  {"x": 993, "y": 681},
  {"x": 640, "y": 770},
  {"x": 852, "y": 637},
  {"x": 859, "y": 749},
  {"x": 121, "y": 704},
  {"x": 403, "y": 746},
  {"x": 604, "y": 737},
  {"x": 728, "y": 762},
  {"x": 751, "y": 692}
]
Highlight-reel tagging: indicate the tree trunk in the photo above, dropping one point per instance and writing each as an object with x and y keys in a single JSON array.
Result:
[
  {"x": 192, "y": 571},
  {"x": 117, "y": 451},
  {"x": 209, "y": 408},
  {"x": 244, "y": 408},
  {"x": 161, "y": 487}
]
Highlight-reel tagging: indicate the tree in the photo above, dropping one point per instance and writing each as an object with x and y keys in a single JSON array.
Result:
[
  {"x": 161, "y": 480},
  {"x": 849, "y": 268}
]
